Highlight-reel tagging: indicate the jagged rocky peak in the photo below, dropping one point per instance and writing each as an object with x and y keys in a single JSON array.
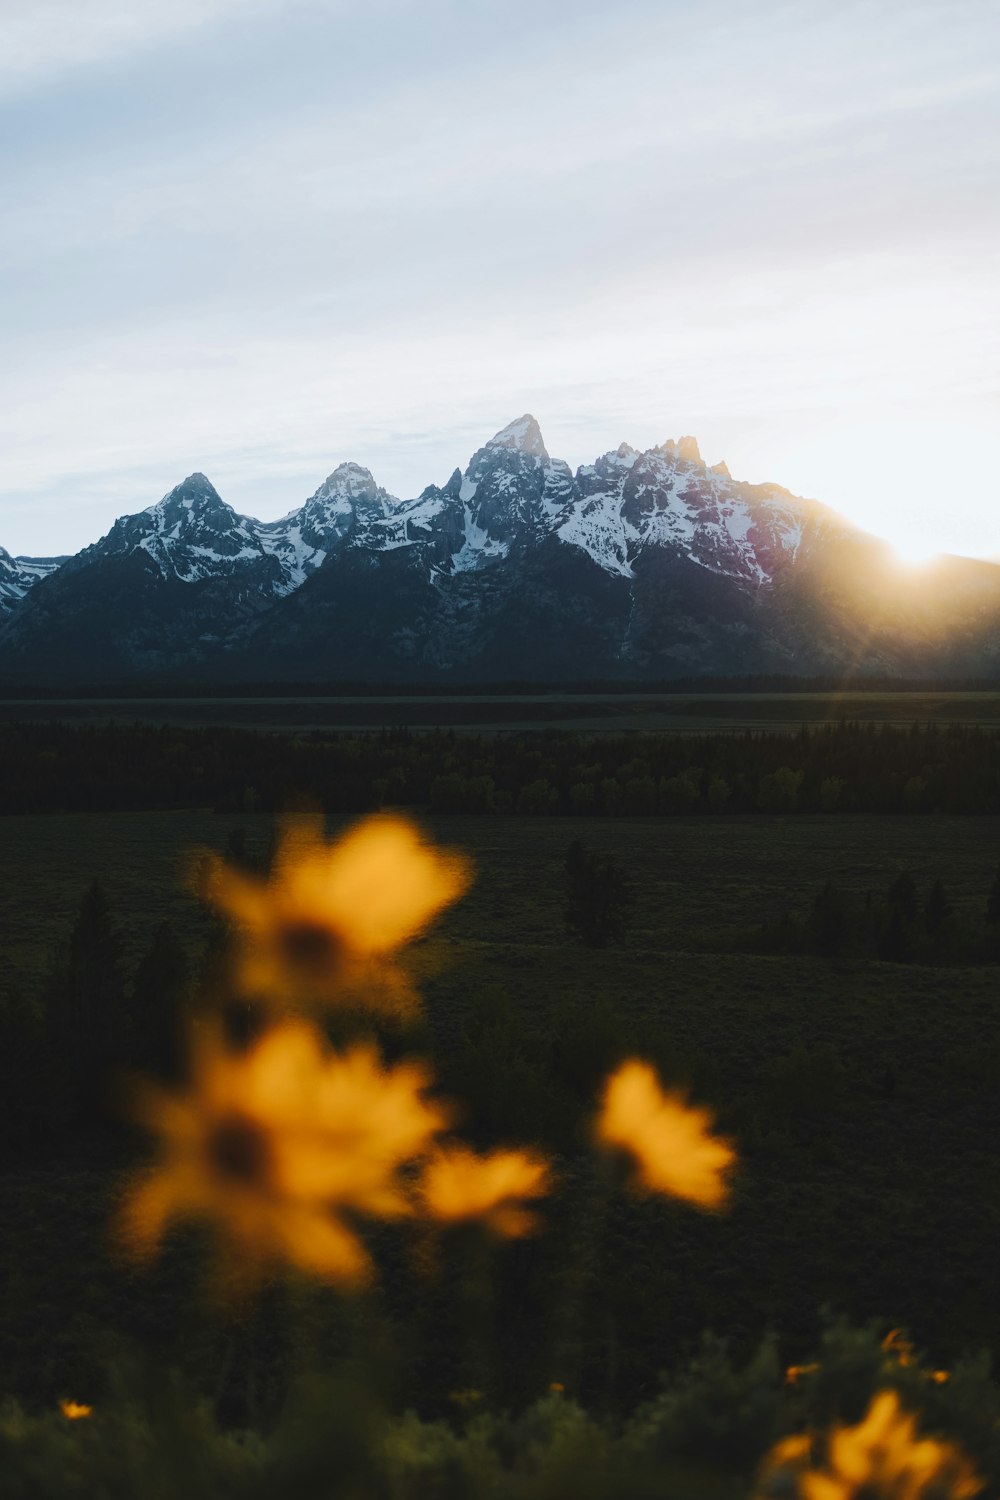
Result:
[
  {"x": 685, "y": 449},
  {"x": 194, "y": 498},
  {"x": 349, "y": 481},
  {"x": 721, "y": 468},
  {"x": 18, "y": 575},
  {"x": 523, "y": 436}
]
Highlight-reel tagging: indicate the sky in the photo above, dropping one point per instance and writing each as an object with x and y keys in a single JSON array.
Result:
[{"x": 257, "y": 238}]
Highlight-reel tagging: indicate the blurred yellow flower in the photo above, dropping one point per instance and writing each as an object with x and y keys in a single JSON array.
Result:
[
  {"x": 330, "y": 914},
  {"x": 879, "y": 1459},
  {"x": 269, "y": 1143},
  {"x": 670, "y": 1140},
  {"x": 74, "y": 1410},
  {"x": 795, "y": 1373},
  {"x": 457, "y": 1184},
  {"x": 898, "y": 1346}
]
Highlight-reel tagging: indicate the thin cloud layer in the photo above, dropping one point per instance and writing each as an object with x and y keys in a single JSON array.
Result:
[
  {"x": 44, "y": 39},
  {"x": 255, "y": 243}
]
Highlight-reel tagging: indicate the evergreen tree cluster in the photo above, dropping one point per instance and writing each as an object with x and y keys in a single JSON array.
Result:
[
  {"x": 836, "y": 768},
  {"x": 598, "y": 897},
  {"x": 903, "y": 924},
  {"x": 62, "y": 1052}
]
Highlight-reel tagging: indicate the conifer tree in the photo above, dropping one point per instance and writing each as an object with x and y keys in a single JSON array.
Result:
[
  {"x": 598, "y": 897},
  {"x": 831, "y": 920},
  {"x": 993, "y": 901},
  {"x": 937, "y": 909},
  {"x": 87, "y": 1018},
  {"x": 903, "y": 895},
  {"x": 159, "y": 989}
]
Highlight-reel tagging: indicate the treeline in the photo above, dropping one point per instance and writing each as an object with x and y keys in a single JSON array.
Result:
[
  {"x": 906, "y": 923},
  {"x": 444, "y": 687},
  {"x": 711, "y": 1416},
  {"x": 846, "y": 767}
]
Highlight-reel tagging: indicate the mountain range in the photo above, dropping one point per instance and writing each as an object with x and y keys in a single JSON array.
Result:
[{"x": 640, "y": 566}]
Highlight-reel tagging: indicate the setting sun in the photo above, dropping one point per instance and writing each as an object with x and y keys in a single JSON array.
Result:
[{"x": 914, "y": 553}]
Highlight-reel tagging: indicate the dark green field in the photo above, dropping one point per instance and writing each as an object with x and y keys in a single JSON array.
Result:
[
  {"x": 863, "y": 1095},
  {"x": 693, "y": 878},
  {"x": 580, "y": 713}
]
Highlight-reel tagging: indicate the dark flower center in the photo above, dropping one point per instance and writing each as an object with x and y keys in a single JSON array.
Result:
[
  {"x": 309, "y": 947},
  {"x": 237, "y": 1148}
]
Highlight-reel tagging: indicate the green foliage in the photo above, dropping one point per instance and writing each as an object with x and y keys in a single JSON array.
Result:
[
  {"x": 704, "y": 1435},
  {"x": 830, "y": 793},
  {"x": 830, "y": 768},
  {"x": 861, "y": 1094},
  {"x": 598, "y": 897},
  {"x": 160, "y": 993},
  {"x": 896, "y": 927},
  {"x": 87, "y": 1016},
  {"x": 714, "y": 1413},
  {"x": 937, "y": 909},
  {"x": 779, "y": 790},
  {"x": 805, "y": 1086},
  {"x": 719, "y": 793}
]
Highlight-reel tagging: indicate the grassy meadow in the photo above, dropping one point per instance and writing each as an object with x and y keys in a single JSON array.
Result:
[
  {"x": 860, "y": 1094},
  {"x": 515, "y": 713}
]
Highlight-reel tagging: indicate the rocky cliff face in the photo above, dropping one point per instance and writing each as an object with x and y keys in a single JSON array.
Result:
[
  {"x": 639, "y": 565},
  {"x": 18, "y": 575}
]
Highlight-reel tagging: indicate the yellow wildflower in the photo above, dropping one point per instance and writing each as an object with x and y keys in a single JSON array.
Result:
[
  {"x": 73, "y": 1411},
  {"x": 881, "y": 1458},
  {"x": 795, "y": 1373},
  {"x": 271, "y": 1142},
  {"x": 670, "y": 1140},
  {"x": 457, "y": 1184},
  {"x": 329, "y": 916},
  {"x": 898, "y": 1346}
]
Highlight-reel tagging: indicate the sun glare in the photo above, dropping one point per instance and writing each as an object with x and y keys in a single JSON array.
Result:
[
  {"x": 926, "y": 502},
  {"x": 914, "y": 553}
]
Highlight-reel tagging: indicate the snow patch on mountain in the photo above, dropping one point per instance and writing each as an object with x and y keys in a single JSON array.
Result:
[
  {"x": 18, "y": 576},
  {"x": 477, "y": 548},
  {"x": 595, "y": 525},
  {"x": 297, "y": 557},
  {"x": 511, "y": 497},
  {"x": 346, "y": 505},
  {"x": 523, "y": 436}
]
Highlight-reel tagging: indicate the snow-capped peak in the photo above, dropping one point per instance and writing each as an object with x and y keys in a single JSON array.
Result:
[
  {"x": 686, "y": 449},
  {"x": 524, "y": 436},
  {"x": 195, "y": 494},
  {"x": 350, "y": 481}
]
